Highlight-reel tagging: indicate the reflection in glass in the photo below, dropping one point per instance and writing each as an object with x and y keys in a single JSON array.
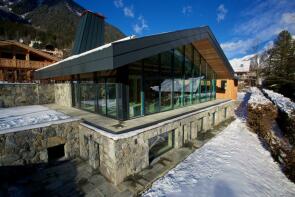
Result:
[
  {"x": 134, "y": 96},
  {"x": 169, "y": 80},
  {"x": 88, "y": 96},
  {"x": 111, "y": 100},
  {"x": 160, "y": 144},
  {"x": 166, "y": 94},
  {"x": 151, "y": 93},
  {"x": 102, "y": 105}
]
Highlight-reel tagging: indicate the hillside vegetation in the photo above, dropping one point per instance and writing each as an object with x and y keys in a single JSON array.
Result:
[{"x": 52, "y": 22}]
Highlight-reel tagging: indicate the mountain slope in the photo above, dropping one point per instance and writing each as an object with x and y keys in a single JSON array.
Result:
[{"x": 51, "y": 21}]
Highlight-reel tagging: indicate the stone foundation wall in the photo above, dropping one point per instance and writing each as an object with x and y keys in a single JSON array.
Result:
[
  {"x": 99, "y": 151},
  {"x": 116, "y": 156},
  {"x": 120, "y": 158},
  {"x": 12, "y": 95},
  {"x": 30, "y": 146}
]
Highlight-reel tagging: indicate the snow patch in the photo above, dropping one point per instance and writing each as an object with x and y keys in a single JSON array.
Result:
[
  {"x": 283, "y": 103},
  {"x": 257, "y": 97},
  {"x": 20, "y": 118}
]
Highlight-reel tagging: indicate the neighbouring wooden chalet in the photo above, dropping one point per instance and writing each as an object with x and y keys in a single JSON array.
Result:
[{"x": 18, "y": 61}]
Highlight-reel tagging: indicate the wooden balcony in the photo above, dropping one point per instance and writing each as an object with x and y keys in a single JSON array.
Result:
[{"x": 22, "y": 64}]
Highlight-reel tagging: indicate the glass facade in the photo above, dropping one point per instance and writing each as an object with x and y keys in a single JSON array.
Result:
[{"x": 176, "y": 78}]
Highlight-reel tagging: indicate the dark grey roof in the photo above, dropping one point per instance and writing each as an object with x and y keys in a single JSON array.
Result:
[
  {"x": 90, "y": 33},
  {"x": 120, "y": 53}
]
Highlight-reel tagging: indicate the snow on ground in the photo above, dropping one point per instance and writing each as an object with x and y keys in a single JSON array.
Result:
[
  {"x": 234, "y": 163},
  {"x": 26, "y": 116},
  {"x": 257, "y": 97},
  {"x": 241, "y": 96},
  {"x": 284, "y": 103}
]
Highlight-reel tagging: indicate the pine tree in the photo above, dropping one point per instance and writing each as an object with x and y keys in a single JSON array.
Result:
[{"x": 280, "y": 70}]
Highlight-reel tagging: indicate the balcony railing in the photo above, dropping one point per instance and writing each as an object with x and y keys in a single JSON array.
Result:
[{"x": 24, "y": 64}]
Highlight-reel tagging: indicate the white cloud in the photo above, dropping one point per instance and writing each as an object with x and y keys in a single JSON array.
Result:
[
  {"x": 119, "y": 3},
  {"x": 187, "y": 10},
  {"x": 128, "y": 11},
  {"x": 263, "y": 20},
  {"x": 221, "y": 13},
  {"x": 237, "y": 47},
  {"x": 140, "y": 26}
]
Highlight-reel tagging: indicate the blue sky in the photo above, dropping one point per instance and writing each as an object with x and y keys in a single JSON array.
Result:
[{"x": 237, "y": 24}]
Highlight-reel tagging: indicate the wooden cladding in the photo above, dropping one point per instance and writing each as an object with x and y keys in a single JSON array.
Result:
[
  {"x": 22, "y": 64},
  {"x": 217, "y": 63}
]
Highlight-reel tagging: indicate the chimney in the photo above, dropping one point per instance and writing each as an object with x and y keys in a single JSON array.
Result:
[{"x": 90, "y": 32}]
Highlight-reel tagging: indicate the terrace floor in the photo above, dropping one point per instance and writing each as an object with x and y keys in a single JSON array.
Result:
[{"x": 116, "y": 127}]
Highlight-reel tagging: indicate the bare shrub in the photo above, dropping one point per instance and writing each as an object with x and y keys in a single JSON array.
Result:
[
  {"x": 261, "y": 117},
  {"x": 290, "y": 165}
]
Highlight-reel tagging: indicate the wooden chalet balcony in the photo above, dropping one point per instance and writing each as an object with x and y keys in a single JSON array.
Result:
[{"x": 22, "y": 64}]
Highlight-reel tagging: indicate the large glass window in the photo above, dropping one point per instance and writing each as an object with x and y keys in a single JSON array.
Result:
[
  {"x": 196, "y": 80},
  {"x": 135, "y": 89},
  {"x": 88, "y": 96},
  {"x": 178, "y": 77},
  {"x": 169, "y": 80},
  {"x": 111, "y": 98},
  {"x": 152, "y": 84},
  {"x": 102, "y": 102},
  {"x": 188, "y": 91},
  {"x": 166, "y": 85},
  {"x": 203, "y": 76}
]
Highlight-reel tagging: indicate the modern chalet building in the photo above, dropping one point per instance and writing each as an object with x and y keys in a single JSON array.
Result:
[
  {"x": 140, "y": 98},
  {"x": 18, "y": 61},
  {"x": 134, "y": 77}
]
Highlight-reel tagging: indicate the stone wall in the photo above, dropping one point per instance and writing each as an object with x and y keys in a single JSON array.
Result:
[
  {"x": 119, "y": 158},
  {"x": 12, "y": 95},
  {"x": 30, "y": 146},
  {"x": 116, "y": 156},
  {"x": 99, "y": 151},
  {"x": 63, "y": 94},
  {"x": 21, "y": 94}
]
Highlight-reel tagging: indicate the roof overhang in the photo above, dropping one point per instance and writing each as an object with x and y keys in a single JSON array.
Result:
[{"x": 120, "y": 53}]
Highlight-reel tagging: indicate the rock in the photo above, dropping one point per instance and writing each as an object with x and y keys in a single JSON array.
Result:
[{"x": 9, "y": 159}]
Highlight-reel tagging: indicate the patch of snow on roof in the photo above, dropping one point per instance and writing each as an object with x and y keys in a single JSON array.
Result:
[
  {"x": 88, "y": 52},
  {"x": 283, "y": 103},
  {"x": 241, "y": 64}
]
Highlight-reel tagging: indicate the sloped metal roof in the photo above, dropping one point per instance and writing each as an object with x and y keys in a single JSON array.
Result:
[
  {"x": 120, "y": 53},
  {"x": 90, "y": 33}
]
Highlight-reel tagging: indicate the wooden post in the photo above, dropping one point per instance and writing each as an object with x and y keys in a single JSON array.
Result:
[
  {"x": 13, "y": 57},
  {"x": 28, "y": 55},
  {"x": 28, "y": 76},
  {"x": 15, "y": 75},
  {"x": 1, "y": 75},
  {"x": 27, "y": 59}
]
